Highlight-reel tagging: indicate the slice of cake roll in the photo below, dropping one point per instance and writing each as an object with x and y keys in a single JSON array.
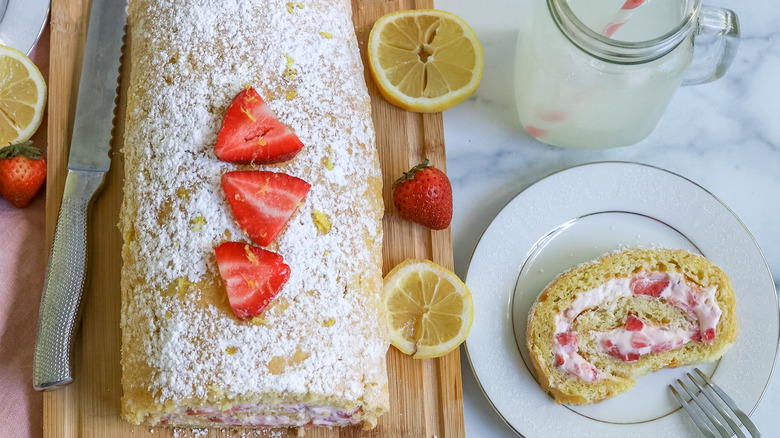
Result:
[
  {"x": 252, "y": 269},
  {"x": 600, "y": 325}
]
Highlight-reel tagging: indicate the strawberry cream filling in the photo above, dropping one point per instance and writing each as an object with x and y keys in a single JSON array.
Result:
[
  {"x": 637, "y": 337},
  {"x": 300, "y": 415}
]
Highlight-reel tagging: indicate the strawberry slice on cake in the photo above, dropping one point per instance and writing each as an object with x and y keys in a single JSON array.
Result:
[
  {"x": 252, "y": 133},
  {"x": 263, "y": 201},
  {"x": 252, "y": 276}
]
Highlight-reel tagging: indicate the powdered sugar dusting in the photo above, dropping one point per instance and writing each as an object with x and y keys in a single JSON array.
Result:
[{"x": 189, "y": 59}]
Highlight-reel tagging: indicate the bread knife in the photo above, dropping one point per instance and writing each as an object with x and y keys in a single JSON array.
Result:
[{"x": 88, "y": 163}]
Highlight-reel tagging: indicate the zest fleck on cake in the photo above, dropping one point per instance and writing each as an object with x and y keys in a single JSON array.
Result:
[{"x": 316, "y": 354}]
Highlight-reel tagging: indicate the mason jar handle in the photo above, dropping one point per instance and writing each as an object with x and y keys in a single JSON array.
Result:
[{"x": 721, "y": 28}]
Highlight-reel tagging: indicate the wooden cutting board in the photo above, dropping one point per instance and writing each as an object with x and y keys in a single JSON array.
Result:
[{"x": 426, "y": 396}]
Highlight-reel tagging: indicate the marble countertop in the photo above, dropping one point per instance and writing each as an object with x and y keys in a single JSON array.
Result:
[{"x": 724, "y": 136}]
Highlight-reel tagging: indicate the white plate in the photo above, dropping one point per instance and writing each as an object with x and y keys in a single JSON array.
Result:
[
  {"x": 576, "y": 215},
  {"x": 21, "y": 23}
]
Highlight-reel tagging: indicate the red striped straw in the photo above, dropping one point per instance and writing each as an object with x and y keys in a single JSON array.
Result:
[{"x": 621, "y": 17}]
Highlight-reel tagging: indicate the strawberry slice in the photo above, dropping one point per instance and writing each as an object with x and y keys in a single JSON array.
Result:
[
  {"x": 567, "y": 339},
  {"x": 630, "y": 357},
  {"x": 666, "y": 346},
  {"x": 263, "y": 201},
  {"x": 251, "y": 133},
  {"x": 634, "y": 324},
  {"x": 252, "y": 276},
  {"x": 649, "y": 287},
  {"x": 638, "y": 340}
]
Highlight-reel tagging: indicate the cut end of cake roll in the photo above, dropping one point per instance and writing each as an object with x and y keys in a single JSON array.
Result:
[
  {"x": 258, "y": 412},
  {"x": 597, "y": 327}
]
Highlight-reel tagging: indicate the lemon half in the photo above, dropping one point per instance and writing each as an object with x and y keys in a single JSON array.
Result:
[
  {"x": 429, "y": 310},
  {"x": 424, "y": 60},
  {"x": 22, "y": 96}
]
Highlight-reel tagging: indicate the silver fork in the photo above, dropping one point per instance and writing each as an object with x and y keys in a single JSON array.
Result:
[{"x": 721, "y": 416}]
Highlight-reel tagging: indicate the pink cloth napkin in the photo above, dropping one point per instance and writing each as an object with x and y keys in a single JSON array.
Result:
[
  {"x": 22, "y": 267},
  {"x": 23, "y": 258}
]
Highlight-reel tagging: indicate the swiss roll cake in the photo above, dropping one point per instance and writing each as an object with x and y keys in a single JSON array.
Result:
[
  {"x": 599, "y": 326},
  {"x": 224, "y": 324}
]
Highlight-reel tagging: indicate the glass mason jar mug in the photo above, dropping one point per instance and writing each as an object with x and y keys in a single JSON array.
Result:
[{"x": 599, "y": 73}]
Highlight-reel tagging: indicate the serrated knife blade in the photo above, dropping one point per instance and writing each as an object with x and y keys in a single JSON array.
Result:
[{"x": 88, "y": 163}]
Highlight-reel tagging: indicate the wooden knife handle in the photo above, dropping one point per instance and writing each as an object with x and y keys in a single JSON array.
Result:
[{"x": 58, "y": 315}]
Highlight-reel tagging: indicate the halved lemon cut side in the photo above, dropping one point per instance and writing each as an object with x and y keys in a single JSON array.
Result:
[
  {"x": 424, "y": 60},
  {"x": 429, "y": 310},
  {"x": 22, "y": 96}
]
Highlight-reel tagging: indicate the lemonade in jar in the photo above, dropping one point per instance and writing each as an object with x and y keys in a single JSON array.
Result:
[{"x": 599, "y": 73}]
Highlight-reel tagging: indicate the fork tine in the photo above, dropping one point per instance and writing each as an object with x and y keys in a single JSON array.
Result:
[
  {"x": 707, "y": 411},
  {"x": 697, "y": 418},
  {"x": 733, "y": 406},
  {"x": 717, "y": 404}
]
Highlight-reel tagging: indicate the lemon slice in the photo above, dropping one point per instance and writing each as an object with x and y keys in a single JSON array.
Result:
[
  {"x": 428, "y": 309},
  {"x": 424, "y": 60},
  {"x": 22, "y": 96}
]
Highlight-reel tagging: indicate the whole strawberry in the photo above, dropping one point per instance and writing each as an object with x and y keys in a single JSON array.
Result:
[
  {"x": 424, "y": 195},
  {"x": 22, "y": 173}
]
